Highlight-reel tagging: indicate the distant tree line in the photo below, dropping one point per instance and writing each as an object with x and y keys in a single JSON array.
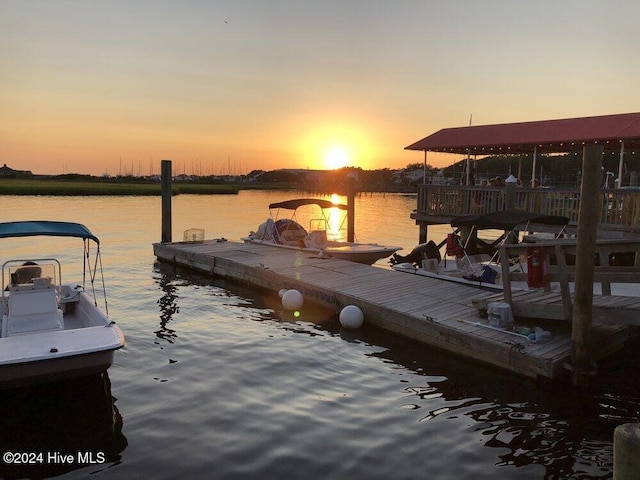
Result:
[{"x": 557, "y": 170}]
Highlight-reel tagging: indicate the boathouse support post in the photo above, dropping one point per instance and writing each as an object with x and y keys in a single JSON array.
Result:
[
  {"x": 620, "y": 165},
  {"x": 585, "y": 253},
  {"x": 510, "y": 203},
  {"x": 165, "y": 190},
  {"x": 422, "y": 232},
  {"x": 533, "y": 168},
  {"x": 424, "y": 169},
  {"x": 510, "y": 193}
]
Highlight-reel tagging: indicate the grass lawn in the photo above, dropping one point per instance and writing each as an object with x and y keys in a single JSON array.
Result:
[{"x": 20, "y": 186}]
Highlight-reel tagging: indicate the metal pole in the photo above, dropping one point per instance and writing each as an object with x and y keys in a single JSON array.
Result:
[
  {"x": 585, "y": 253},
  {"x": 165, "y": 189}
]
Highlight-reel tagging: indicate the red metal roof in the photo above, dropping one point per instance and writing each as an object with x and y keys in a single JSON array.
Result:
[{"x": 550, "y": 136}]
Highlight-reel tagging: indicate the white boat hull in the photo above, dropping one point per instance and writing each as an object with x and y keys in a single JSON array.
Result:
[
  {"x": 354, "y": 252},
  {"x": 54, "y": 370},
  {"x": 409, "y": 268},
  {"x": 84, "y": 347}
]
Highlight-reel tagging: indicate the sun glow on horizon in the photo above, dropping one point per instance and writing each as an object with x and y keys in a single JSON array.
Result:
[
  {"x": 330, "y": 142},
  {"x": 336, "y": 157}
]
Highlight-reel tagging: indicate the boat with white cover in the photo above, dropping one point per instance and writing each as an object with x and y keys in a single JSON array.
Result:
[
  {"x": 474, "y": 261},
  {"x": 288, "y": 233},
  {"x": 52, "y": 330}
]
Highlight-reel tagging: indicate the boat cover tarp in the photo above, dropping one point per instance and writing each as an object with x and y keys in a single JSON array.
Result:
[
  {"x": 300, "y": 202},
  {"x": 507, "y": 220},
  {"x": 46, "y": 228}
]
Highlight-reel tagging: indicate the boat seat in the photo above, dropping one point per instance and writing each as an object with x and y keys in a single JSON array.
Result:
[
  {"x": 32, "y": 308},
  {"x": 316, "y": 239},
  {"x": 26, "y": 274}
]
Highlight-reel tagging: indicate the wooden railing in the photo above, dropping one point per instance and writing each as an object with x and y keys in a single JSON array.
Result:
[{"x": 620, "y": 208}]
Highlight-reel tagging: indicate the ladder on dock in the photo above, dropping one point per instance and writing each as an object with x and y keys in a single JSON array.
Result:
[{"x": 558, "y": 305}]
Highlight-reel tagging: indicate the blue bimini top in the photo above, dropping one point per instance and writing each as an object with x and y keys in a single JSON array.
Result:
[{"x": 43, "y": 227}]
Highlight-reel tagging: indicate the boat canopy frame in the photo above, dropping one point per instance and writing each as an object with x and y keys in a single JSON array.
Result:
[
  {"x": 301, "y": 202},
  {"x": 508, "y": 221},
  {"x": 33, "y": 228},
  {"x": 296, "y": 203}
]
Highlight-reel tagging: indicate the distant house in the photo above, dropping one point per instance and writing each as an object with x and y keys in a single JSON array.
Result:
[
  {"x": 409, "y": 177},
  {"x": 8, "y": 172},
  {"x": 305, "y": 175},
  {"x": 183, "y": 178},
  {"x": 255, "y": 176}
]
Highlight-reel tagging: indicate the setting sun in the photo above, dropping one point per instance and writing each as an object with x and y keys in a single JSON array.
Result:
[
  {"x": 329, "y": 144},
  {"x": 336, "y": 157}
]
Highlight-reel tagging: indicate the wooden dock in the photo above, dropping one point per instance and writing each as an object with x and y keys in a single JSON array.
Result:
[{"x": 435, "y": 312}]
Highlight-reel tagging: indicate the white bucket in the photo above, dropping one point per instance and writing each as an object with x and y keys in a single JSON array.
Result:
[{"x": 500, "y": 315}]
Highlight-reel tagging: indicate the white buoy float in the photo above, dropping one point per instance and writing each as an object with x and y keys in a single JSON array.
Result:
[
  {"x": 292, "y": 300},
  {"x": 351, "y": 317}
]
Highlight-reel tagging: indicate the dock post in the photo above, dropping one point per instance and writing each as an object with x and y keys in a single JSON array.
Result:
[
  {"x": 165, "y": 189},
  {"x": 585, "y": 252},
  {"x": 351, "y": 207},
  {"x": 422, "y": 232},
  {"x": 626, "y": 445}
]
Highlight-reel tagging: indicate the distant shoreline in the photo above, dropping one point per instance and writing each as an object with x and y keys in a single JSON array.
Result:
[
  {"x": 58, "y": 187},
  {"x": 48, "y": 187}
]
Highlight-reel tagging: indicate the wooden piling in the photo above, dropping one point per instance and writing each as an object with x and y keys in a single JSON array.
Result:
[
  {"x": 585, "y": 254},
  {"x": 165, "y": 189},
  {"x": 626, "y": 444},
  {"x": 351, "y": 208},
  {"x": 422, "y": 232}
]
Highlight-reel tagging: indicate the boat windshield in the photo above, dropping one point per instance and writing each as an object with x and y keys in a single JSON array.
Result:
[{"x": 32, "y": 272}]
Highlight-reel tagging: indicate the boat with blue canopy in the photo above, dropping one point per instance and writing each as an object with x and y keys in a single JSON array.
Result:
[{"x": 52, "y": 330}]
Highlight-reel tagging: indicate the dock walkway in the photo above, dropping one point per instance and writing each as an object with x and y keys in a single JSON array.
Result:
[{"x": 431, "y": 311}]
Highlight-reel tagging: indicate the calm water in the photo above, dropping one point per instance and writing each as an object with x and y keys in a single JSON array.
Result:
[{"x": 216, "y": 382}]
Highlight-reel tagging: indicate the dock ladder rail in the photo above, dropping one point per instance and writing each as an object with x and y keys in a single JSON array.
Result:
[{"x": 563, "y": 273}]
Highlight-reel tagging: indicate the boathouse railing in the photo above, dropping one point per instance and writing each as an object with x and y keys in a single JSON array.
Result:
[{"x": 620, "y": 208}]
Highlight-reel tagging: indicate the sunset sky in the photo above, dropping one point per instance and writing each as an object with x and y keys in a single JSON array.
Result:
[{"x": 231, "y": 86}]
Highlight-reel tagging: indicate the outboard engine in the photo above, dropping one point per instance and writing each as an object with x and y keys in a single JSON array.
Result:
[{"x": 419, "y": 253}]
